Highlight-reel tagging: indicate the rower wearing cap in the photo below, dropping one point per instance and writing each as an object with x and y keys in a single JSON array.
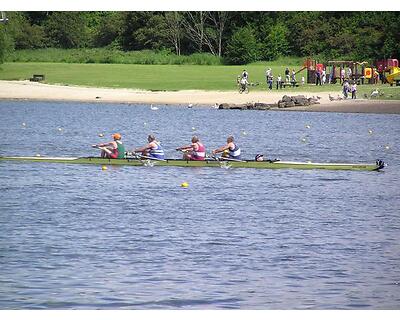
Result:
[
  {"x": 230, "y": 150},
  {"x": 259, "y": 157},
  {"x": 153, "y": 149},
  {"x": 113, "y": 149},
  {"x": 194, "y": 151}
]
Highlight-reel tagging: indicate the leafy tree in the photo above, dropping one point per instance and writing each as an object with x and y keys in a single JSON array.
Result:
[
  {"x": 173, "y": 30},
  {"x": 2, "y": 44},
  {"x": 276, "y": 43},
  {"x": 67, "y": 30},
  {"x": 242, "y": 47},
  {"x": 108, "y": 30}
]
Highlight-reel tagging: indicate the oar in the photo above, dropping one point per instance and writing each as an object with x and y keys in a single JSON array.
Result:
[{"x": 232, "y": 159}]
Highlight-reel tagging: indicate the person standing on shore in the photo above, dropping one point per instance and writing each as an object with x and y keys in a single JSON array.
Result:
[
  {"x": 268, "y": 73},
  {"x": 113, "y": 149},
  {"x": 317, "y": 77},
  {"x": 323, "y": 78},
  {"x": 354, "y": 90},
  {"x": 287, "y": 75},
  {"x": 346, "y": 89},
  {"x": 279, "y": 82},
  {"x": 342, "y": 75},
  {"x": 270, "y": 82}
]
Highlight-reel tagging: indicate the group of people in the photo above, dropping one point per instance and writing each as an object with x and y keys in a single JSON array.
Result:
[
  {"x": 347, "y": 88},
  {"x": 195, "y": 151},
  {"x": 320, "y": 77},
  {"x": 290, "y": 78}
]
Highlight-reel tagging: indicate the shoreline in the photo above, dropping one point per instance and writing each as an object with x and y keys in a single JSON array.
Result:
[{"x": 26, "y": 90}]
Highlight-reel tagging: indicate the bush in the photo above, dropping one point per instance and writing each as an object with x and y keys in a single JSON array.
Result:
[
  {"x": 104, "y": 55},
  {"x": 243, "y": 47}
]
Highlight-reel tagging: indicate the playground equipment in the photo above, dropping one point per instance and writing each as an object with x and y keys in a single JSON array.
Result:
[
  {"x": 360, "y": 72},
  {"x": 350, "y": 70},
  {"x": 394, "y": 76},
  {"x": 312, "y": 67},
  {"x": 389, "y": 70}
]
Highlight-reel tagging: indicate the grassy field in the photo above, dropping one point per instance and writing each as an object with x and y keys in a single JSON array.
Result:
[{"x": 167, "y": 77}]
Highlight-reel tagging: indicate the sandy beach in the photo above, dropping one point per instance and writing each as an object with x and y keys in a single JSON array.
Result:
[{"x": 10, "y": 90}]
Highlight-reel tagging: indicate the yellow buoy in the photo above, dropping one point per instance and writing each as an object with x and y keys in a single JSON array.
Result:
[
  {"x": 104, "y": 168},
  {"x": 184, "y": 184}
]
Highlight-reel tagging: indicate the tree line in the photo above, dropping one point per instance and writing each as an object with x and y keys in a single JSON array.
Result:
[{"x": 236, "y": 37}]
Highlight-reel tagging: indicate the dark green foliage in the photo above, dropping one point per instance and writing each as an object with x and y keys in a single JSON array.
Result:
[
  {"x": 242, "y": 47},
  {"x": 67, "y": 30},
  {"x": 245, "y": 36},
  {"x": 2, "y": 47}
]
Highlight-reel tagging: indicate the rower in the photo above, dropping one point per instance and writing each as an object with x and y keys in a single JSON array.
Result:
[
  {"x": 259, "y": 157},
  {"x": 153, "y": 149},
  {"x": 194, "y": 151},
  {"x": 230, "y": 150},
  {"x": 113, "y": 149}
]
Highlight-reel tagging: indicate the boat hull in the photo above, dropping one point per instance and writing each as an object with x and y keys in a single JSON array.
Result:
[{"x": 207, "y": 163}]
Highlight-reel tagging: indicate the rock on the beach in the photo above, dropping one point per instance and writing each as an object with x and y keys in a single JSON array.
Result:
[
  {"x": 294, "y": 101},
  {"x": 245, "y": 106}
]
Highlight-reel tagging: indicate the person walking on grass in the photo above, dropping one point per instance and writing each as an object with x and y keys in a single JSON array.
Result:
[
  {"x": 270, "y": 82},
  {"x": 354, "y": 90},
  {"x": 287, "y": 75},
  {"x": 279, "y": 82},
  {"x": 346, "y": 88}
]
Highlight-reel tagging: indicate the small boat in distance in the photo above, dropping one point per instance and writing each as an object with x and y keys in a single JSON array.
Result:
[{"x": 210, "y": 162}]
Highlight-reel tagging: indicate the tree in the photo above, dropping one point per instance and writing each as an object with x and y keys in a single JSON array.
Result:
[
  {"x": 2, "y": 44},
  {"x": 66, "y": 30},
  {"x": 242, "y": 47},
  {"x": 194, "y": 24},
  {"x": 218, "y": 20},
  {"x": 173, "y": 31},
  {"x": 276, "y": 43}
]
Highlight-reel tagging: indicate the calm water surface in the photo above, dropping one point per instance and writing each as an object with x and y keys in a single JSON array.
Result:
[{"x": 77, "y": 237}]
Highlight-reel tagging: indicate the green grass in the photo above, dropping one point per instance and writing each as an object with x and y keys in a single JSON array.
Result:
[
  {"x": 167, "y": 77},
  {"x": 111, "y": 56}
]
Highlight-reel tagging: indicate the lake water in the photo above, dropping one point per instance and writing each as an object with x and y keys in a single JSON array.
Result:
[{"x": 77, "y": 237}]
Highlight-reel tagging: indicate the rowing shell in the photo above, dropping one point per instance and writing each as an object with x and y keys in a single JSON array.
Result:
[{"x": 379, "y": 164}]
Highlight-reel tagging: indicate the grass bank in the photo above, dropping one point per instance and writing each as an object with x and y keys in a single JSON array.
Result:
[
  {"x": 111, "y": 56},
  {"x": 167, "y": 77}
]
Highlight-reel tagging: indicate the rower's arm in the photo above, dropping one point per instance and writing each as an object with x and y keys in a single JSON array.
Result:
[
  {"x": 184, "y": 148},
  {"x": 221, "y": 149},
  {"x": 107, "y": 144},
  {"x": 144, "y": 148}
]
